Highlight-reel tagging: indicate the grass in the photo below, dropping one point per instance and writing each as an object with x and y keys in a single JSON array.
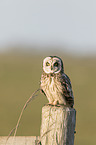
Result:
[{"x": 20, "y": 77}]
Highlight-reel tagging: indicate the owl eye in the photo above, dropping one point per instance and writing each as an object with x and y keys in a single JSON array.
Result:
[
  {"x": 47, "y": 63},
  {"x": 56, "y": 64}
]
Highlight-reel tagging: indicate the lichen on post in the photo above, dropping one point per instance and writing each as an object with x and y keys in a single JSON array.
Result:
[{"x": 58, "y": 125}]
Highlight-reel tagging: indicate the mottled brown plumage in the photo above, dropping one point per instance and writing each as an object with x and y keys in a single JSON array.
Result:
[{"x": 55, "y": 84}]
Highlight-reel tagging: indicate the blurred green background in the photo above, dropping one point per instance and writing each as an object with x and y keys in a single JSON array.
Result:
[{"x": 20, "y": 77}]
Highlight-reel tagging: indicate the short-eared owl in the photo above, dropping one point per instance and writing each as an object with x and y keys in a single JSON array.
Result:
[{"x": 55, "y": 84}]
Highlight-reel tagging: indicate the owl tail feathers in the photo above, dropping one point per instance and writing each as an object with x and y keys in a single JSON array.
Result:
[{"x": 18, "y": 122}]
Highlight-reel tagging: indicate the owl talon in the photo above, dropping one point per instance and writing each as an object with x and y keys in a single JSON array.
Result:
[
  {"x": 59, "y": 105},
  {"x": 49, "y": 104},
  {"x": 55, "y": 103}
]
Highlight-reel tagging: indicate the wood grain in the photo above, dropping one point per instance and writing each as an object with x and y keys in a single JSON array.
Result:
[
  {"x": 58, "y": 125},
  {"x": 20, "y": 140}
]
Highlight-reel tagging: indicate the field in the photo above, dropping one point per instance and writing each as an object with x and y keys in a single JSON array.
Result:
[{"x": 20, "y": 77}]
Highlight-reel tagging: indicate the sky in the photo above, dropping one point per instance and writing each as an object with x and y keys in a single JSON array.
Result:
[{"x": 65, "y": 23}]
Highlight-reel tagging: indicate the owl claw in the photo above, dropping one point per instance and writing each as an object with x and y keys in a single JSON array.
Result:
[
  {"x": 49, "y": 104},
  {"x": 55, "y": 103}
]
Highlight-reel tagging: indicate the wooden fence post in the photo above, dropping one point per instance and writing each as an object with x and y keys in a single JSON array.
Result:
[
  {"x": 19, "y": 140},
  {"x": 58, "y": 125}
]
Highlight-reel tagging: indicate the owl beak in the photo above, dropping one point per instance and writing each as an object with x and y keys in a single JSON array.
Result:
[{"x": 51, "y": 68}]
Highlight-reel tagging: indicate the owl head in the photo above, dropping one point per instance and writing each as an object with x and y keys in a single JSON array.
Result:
[{"x": 52, "y": 65}]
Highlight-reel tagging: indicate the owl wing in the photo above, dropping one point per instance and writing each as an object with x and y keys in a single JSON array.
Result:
[{"x": 67, "y": 90}]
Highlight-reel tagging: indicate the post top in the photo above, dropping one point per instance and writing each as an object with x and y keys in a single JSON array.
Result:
[{"x": 59, "y": 107}]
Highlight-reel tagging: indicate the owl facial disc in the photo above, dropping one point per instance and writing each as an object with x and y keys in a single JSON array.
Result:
[{"x": 52, "y": 65}]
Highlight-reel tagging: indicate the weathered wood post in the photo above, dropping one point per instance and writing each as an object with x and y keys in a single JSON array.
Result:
[
  {"x": 19, "y": 140},
  {"x": 58, "y": 125}
]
